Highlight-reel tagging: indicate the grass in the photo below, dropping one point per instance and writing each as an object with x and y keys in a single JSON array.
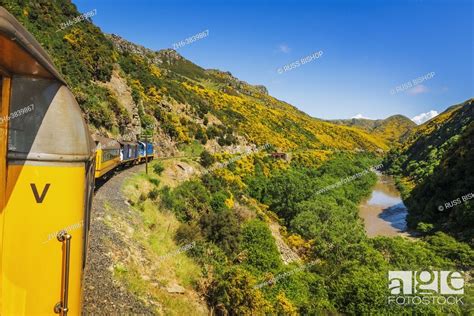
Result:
[
  {"x": 131, "y": 276},
  {"x": 192, "y": 149},
  {"x": 171, "y": 173},
  {"x": 154, "y": 233}
]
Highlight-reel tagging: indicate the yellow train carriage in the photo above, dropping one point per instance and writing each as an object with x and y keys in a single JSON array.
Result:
[
  {"x": 107, "y": 155},
  {"x": 46, "y": 181}
]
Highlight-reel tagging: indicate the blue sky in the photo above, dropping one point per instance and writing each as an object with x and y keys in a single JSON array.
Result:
[{"x": 369, "y": 48}]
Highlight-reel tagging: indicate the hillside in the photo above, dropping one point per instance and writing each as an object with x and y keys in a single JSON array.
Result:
[
  {"x": 395, "y": 128},
  {"x": 436, "y": 167},
  {"x": 124, "y": 88},
  {"x": 253, "y": 233},
  {"x": 248, "y": 109}
]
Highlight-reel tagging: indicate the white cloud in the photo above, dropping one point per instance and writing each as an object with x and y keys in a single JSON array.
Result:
[
  {"x": 423, "y": 117},
  {"x": 418, "y": 89},
  {"x": 283, "y": 48},
  {"x": 360, "y": 116}
]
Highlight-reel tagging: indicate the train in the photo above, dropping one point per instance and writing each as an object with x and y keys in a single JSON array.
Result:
[
  {"x": 112, "y": 154},
  {"x": 49, "y": 163}
]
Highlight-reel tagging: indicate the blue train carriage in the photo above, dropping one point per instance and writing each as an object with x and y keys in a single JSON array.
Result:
[
  {"x": 141, "y": 151},
  {"x": 150, "y": 151},
  {"x": 107, "y": 155},
  {"x": 142, "y": 146},
  {"x": 128, "y": 153}
]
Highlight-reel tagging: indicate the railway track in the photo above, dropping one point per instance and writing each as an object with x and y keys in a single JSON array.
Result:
[{"x": 101, "y": 294}]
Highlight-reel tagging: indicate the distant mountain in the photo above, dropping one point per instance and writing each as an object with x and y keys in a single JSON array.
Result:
[
  {"x": 395, "y": 128},
  {"x": 436, "y": 166}
]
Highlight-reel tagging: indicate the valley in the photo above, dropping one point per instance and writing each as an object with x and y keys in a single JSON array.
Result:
[{"x": 251, "y": 206}]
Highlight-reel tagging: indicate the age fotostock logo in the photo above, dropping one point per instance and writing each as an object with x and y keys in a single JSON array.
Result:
[{"x": 425, "y": 287}]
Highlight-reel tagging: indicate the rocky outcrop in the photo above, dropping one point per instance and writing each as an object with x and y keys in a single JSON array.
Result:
[
  {"x": 165, "y": 146},
  {"x": 170, "y": 56},
  {"x": 261, "y": 89},
  {"x": 286, "y": 253},
  {"x": 175, "y": 289},
  {"x": 156, "y": 57},
  {"x": 119, "y": 88}
]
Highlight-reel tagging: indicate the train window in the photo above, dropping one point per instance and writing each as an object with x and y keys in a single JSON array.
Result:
[
  {"x": 30, "y": 100},
  {"x": 109, "y": 154}
]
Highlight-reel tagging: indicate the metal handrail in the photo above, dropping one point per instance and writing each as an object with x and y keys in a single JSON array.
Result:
[{"x": 62, "y": 306}]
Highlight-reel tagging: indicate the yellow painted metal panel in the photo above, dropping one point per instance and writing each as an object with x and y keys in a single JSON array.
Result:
[
  {"x": 98, "y": 162},
  {"x": 32, "y": 256},
  {"x": 101, "y": 167}
]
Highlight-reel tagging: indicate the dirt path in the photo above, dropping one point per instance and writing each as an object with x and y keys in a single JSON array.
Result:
[{"x": 103, "y": 295}]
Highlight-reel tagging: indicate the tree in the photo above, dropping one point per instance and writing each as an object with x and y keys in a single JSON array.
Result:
[
  {"x": 259, "y": 245},
  {"x": 222, "y": 228}
]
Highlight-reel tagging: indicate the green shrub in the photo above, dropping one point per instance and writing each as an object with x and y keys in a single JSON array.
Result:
[
  {"x": 187, "y": 233},
  {"x": 234, "y": 293},
  {"x": 153, "y": 194},
  {"x": 188, "y": 201},
  {"x": 218, "y": 201},
  {"x": 158, "y": 167},
  {"x": 142, "y": 197},
  {"x": 154, "y": 181},
  {"x": 222, "y": 228},
  {"x": 424, "y": 227},
  {"x": 206, "y": 159},
  {"x": 259, "y": 245}
]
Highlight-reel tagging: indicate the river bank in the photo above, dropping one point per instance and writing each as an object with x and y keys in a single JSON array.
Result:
[{"x": 383, "y": 212}]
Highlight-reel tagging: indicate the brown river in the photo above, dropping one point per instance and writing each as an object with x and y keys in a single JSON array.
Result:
[{"x": 384, "y": 213}]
